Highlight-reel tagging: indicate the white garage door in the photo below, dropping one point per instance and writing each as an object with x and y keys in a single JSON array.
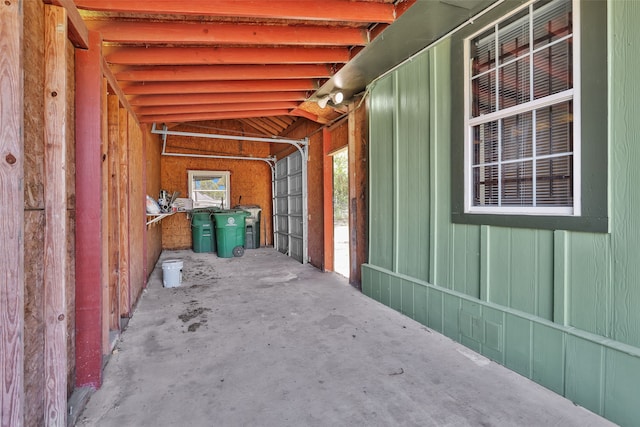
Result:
[{"x": 291, "y": 207}]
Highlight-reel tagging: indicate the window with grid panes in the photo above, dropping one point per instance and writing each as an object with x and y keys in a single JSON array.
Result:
[
  {"x": 209, "y": 188},
  {"x": 521, "y": 149}
]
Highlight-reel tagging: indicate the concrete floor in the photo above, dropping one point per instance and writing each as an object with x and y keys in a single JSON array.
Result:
[
  {"x": 341, "y": 249},
  {"x": 264, "y": 341}
]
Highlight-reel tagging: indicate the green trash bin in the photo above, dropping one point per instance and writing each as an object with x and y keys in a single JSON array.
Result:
[
  {"x": 252, "y": 226},
  {"x": 203, "y": 232},
  {"x": 230, "y": 233}
]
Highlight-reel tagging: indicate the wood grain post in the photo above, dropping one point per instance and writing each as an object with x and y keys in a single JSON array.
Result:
[
  {"x": 123, "y": 216},
  {"x": 88, "y": 214},
  {"x": 358, "y": 190},
  {"x": 12, "y": 216},
  {"x": 104, "y": 220},
  {"x": 113, "y": 113},
  {"x": 327, "y": 205},
  {"x": 55, "y": 231},
  {"x": 143, "y": 201}
]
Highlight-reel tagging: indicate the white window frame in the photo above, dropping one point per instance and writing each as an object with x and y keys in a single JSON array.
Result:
[
  {"x": 191, "y": 174},
  {"x": 470, "y": 122}
]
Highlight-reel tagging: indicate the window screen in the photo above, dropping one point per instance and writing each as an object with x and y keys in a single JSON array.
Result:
[
  {"x": 209, "y": 188},
  {"x": 520, "y": 146}
]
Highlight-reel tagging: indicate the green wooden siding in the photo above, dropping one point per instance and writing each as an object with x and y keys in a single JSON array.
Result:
[
  {"x": 412, "y": 168},
  {"x": 560, "y": 307},
  {"x": 381, "y": 201},
  {"x": 624, "y": 184}
]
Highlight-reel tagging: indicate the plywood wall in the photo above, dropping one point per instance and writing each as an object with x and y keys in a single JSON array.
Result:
[{"x": 250, "y": 180}]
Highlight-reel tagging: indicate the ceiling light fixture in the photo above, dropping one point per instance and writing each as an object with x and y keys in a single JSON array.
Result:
[{"x": 335, "y": 97}]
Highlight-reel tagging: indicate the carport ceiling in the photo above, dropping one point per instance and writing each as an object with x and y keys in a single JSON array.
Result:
[{"x": 260, "y": 61}]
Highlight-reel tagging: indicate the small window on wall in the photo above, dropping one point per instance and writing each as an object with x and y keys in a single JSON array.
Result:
[
  {"x": 522, "y": 141},
  {"x": 209, "y": 188}
]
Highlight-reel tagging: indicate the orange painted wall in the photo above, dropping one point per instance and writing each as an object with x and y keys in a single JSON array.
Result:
[{"x": 250, "y": 180}]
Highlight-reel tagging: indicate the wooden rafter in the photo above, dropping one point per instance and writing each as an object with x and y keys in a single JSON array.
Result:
[
  {"x": 225, "y": 55},
  {"x": 212, "y": 116},
  {"x": 328, "y": 10},
  {"x": 163, "y": 73},
  {"x": 281, "y": 122},
  {"x": 141, "y": 32},
  {"x": 221, "y": 87},
  {"x": 307, "y": 115},
  {"x": 263, "y": 126},
  {"x": 193, "y": 52},
  {"x": 215, "y": 108},
  {"x": 217, "y": 98}
]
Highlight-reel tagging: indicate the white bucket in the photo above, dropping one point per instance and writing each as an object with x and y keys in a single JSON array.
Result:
[{"x": 171, "y": 273}]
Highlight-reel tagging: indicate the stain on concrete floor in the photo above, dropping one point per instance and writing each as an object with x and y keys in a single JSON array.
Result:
[{"x": 228, "y": 349}]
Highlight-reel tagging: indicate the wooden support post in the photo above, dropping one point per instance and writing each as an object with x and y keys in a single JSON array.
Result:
[
  {"x": 104, "y": 220},
  {"x": 55, "y": 231},
  {"x": 78, "y": 32},
  {"x": 89, "y": 214},
  {"x": 327, "y": 168},
  {"x": 113, "y": 210},
  {"x": 123, "y": 217},
  {"x": 137, "y": 209},
  {"x": 358, "y": 190},
  {"x": 12, "y": 216},
  {"x": 143, "y": 201}
]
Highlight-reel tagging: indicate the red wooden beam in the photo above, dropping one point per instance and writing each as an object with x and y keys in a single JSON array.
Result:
[
  {"x": 167, "y": 73},
  {"x": 12, "y": 226},
  {"x": 212, "y": 116},
  {"x": 215, "y": 108},
  {"x": 327, "y": 10},
  {"x": 221, "y": 87},
  {"x": 224, "y": 55},
  {"x": 88, "y": 214},
  {"x": 220, "y": 33},
  {"x": 217, "y": 98}
]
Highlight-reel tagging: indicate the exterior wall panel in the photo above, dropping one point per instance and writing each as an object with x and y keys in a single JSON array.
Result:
[
  {"x": 625, "y": 180},
  {"x": 589, "y": 275},
  {"x": 412, "y": 164},
  {"x": 559, "y": 307},
  {"x": 381, "y": 175}
]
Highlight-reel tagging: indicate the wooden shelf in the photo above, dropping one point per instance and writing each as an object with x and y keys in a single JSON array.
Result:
[{"x": 158, "y": 217}]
